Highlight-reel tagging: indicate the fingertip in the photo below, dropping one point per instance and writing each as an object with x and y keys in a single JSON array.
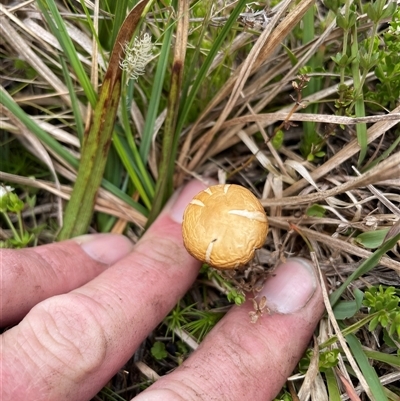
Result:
[
  {"x": 291, "y": 286},
  {"x": 158, "y": 395},
  {"x": 105, "y": 248},
  {"x": 178, "y": 202}
]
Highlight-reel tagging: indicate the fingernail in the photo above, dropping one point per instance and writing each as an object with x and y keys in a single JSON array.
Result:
[
  {"x": 178, "y": 202},
  {"x": 291, "y": 286},
  {"x": 105, "y": 248}
]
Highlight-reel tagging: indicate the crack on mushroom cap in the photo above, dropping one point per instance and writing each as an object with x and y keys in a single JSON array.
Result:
[
  {"x": 209, "y": 250},
  {"x": 197, "y": 202},
  {"x": 259, "y": 216}
]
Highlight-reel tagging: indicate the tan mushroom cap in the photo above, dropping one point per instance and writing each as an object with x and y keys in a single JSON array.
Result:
[{"x": 223, "y": 226}]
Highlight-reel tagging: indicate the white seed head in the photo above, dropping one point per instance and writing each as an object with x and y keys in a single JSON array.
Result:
[{"x": 137, "y": 56}]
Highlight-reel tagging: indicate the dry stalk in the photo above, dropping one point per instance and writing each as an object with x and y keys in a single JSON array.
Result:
[
  {"x": 236, "y": 82},
  {"x": 339, "y": 334},
  {"x": 16, "y": 41},
  {"x": 105, "y": 202},
  {"x": 386, "y": 169},
  {"x": 336, "y": 244},
  {"x": 348, "y": 151}
]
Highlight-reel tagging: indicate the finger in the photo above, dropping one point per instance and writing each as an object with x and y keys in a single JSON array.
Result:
[
  {"x": 33, "y": 274},
  {"x": 240, "y": 360},
  {"x": 70, "y": 345}
]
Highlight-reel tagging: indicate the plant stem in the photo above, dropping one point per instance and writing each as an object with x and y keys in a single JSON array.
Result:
[{"x": 11, "y": 225}]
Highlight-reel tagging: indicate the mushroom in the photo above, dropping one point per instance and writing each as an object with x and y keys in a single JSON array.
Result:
[{"x": 223, "y": 225}]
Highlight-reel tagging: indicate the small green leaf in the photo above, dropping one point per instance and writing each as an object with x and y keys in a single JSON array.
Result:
[
  {"x": 316, "y": 211},
  {"x": 341, "y": 22},
  {"x": 373, "y": 323},
  {"x": 347, "y": 309},
  {"x": 158, "y": 350},
  {"x": 15, "y": 204},
  {"x": 352, "y": 19},
  {"x": 277, "y": 139},
  {"x": 384, "y": 320},
  {"x": 234, "y": 296},
  {"x": 388, "y": 340},
  {"x": 292, "y": 57},
  {"x": 371, "y": 11},
  {"x": 372, "y": 239},
  {"x": 389, "y": 10}
]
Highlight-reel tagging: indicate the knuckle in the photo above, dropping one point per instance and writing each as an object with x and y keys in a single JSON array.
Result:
[
  {"x": 68, "y": 329},
  {"x": 165, "y": 255}
]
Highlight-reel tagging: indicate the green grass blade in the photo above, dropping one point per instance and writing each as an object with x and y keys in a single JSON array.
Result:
[
  {"x": 96, "y": 144},
  {"x": 393, "y": 146},
  {"x": 193, "y": 62},
  {"x": 59, "y": 30},
  {"x": 131, "y": 169},
  {"x": 114, "y": 172},
  {"x": 156, "y": 95},
  {"x": 79, "y": 210},
  {"x": 393, "y": 360},
  {"x": 164, "y": 184},
  {"x": 55, "y": 146},
  {"x": 333, "y": 387},
  {"x": 361, "y": 129},
  {"x": 365, "y": 267},
  {"x": 46, "y": 138},
  {"x": 368, "y": 371},
  {"x": 348, "y": 330},
  {"x": 227, "y": 28},
  {"x": 120, "y": 13},
  {"x": 130, "y": 150},
  {"x": 311, "y": 139},
  {"x": 74, "y": 101},
  {"x": 123, "y": 196}
]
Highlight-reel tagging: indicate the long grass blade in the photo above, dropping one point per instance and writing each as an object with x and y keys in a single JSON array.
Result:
[
  {"x": 383, "y": 357},
  {"x": 361, "y": 129},
  {"x": 96, "y": 144},
  {"x": 74, "y": 101},
  {"x": 59, "y": 30},
  {"x": 128, "y": 150},
  {"x": 167, "y": 163},
  {"x": 333, "y": 388},
  {"x": 156, "y": 95},
  {"x": 185, "y": 107},
  {"x": 368, "y": 371},
  {"x": 120, "y": 12},
  {"x": 48, "y": 140},
  {"x": 131, "y": 169}
]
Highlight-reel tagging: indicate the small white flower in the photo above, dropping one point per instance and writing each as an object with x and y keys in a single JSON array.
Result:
[
  {"x": 137, "y": 56},
  {"x": 5, "y": 189}
]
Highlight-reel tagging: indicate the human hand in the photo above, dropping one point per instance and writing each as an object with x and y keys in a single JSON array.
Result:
[{"x": 87, "y": 304}]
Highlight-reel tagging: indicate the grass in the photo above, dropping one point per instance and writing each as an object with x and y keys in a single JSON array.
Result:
[{"x": 285, "y": 101}]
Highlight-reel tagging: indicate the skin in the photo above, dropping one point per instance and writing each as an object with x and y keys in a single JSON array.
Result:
[{"x": 82, "y": 317}]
